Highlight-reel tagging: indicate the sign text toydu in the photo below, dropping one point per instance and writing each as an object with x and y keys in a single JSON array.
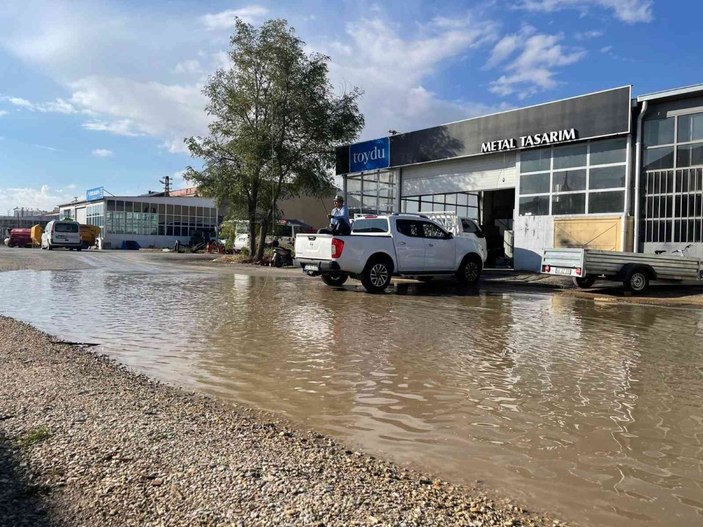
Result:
[
  {"x": 370, "y": 155},
  {"x": 526, "y": 141}
]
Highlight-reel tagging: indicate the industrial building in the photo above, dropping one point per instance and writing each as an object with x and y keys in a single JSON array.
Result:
[
  {"x": 152, "y": 220},
  {"x": 601, "y": 170}
]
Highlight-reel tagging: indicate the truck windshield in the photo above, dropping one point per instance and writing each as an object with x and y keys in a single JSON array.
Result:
[{"x": 370, "y": 225}]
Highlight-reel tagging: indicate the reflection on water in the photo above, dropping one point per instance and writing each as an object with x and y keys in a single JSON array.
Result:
[{"x": 593, "y": 410}]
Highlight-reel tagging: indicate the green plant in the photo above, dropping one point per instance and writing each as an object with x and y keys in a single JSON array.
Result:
[{"x": 36, "y": 435}]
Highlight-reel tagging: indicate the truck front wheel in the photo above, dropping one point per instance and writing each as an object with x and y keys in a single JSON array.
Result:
[
  {"x": 377, "y": 275},
  {"x": 335, "y": 279},
  {"x": 469, "y": 270}
]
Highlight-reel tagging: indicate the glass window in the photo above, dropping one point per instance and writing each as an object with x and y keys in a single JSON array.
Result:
[
  {"x": 658, "y": 158},
  {"x": 607, "y": 177},
  {"x": 432, "y": 231},
  {"x": 65, "y": 227},
  {"x": 407, "y": 228},
  {"x": 534, "y": 183},
  {"x": 659, "y": 132},
  {"x": 568, "y": 204},
  {"x": 569, "y": 180},
  {"x": 690, "y": 127},
  {"x": 570, "y": 156},
  {"x": 689, "y": 155},
  {"x": 534, "y": 206},
  {"x": 410, "y": 205},
  {"x": 370, "y": 225},
  {"x": 599, "y": 202},
  {"x": 535, "y": 160},
  {"x": 606, "y": 152}
]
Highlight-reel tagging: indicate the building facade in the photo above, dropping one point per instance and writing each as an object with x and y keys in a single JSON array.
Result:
[
  {"x": 602, "y": 170},
  {"x": 151, "y": 221}
]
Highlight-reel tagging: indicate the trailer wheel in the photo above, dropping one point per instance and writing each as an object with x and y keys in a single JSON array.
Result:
[
  {"x": 376, "y": 277},
  {"x": 637, "y": 281},
  {"x": 335, "y": 279},
  {"x": 584, "y": 282}
]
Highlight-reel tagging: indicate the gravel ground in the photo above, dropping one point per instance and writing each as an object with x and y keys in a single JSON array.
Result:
[{"x": 84, "y": 441}]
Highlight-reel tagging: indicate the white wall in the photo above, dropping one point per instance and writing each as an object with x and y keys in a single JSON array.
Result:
[
  {"x": 532, "y": 234},
  {"x": 488, "y": 172},
  {"x": 81, "y": 215}
]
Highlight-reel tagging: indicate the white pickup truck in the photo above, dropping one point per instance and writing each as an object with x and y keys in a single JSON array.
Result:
[{"x": 409, "y": 245}]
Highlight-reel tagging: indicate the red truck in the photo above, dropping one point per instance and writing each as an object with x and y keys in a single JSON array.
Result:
[{"x": 19, "y": 238}]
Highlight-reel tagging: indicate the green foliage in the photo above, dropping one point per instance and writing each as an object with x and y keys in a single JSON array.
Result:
[
  {"x": 275, "y": 121},
  {"x": 228, "y": 232},
  {"x": 36, "y": 435}
]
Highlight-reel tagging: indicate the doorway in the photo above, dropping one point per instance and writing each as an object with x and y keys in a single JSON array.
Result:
[{"x": 497, "y": 209}]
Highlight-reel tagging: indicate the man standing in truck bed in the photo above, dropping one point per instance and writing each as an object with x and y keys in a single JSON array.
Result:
[{"x": 339, "y": 219}]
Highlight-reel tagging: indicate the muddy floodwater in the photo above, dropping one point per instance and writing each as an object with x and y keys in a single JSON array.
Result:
[{"x": 592, "y": 410}]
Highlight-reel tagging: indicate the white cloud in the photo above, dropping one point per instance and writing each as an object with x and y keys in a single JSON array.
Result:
[
  {"x": 119, "y": 127},
  {"x": 178, "y": 180},
  {"x": 3, "y": 112},
  {"x": 171, "y": 112},
  {"x": 392, "y": 70},
  {"x": 531, "y": 70},
  {"x": 57, "y": 106},
  {"x": 22, "y": 103},
  {"x": 42, "y": 197},
  {"x": 507, "y": 45},
  {"x": 190, "y": 67},
  {"x": 226, "y": 19},
  {"x": 629, "y": 11},
  {"x": 587, "y": 35},
  {"x": 49, "y": 148},
  {"x": 102, "y": 152}
]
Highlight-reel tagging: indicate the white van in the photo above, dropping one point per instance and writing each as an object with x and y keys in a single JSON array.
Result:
[{"x": 62, "y": 233}]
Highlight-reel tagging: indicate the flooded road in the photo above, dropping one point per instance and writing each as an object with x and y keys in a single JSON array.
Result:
[{"x": 590, "y": 410}]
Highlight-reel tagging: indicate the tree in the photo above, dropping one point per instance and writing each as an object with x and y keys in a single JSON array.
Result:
[{"x": 275, "y": 122}]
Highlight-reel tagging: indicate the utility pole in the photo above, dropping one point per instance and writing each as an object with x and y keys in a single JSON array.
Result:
[{"x": 166, "y": 182}]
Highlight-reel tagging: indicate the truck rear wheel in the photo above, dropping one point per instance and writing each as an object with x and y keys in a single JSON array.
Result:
[
  {"x": 335, "y": 279},
  {"x": 636, "y": 281},
  {"x": 377, "y": 275},
  {"x": 584, "y": 282},
  {"x": 470, "y": 270}
]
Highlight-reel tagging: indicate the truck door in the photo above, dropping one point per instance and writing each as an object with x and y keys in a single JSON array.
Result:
[
  {"x": 410, "y": 245},
  {"x": 440, "y": 250}
]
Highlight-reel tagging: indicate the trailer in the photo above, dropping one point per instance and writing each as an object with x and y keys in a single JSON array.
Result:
[{"x": 635, "y": 270}]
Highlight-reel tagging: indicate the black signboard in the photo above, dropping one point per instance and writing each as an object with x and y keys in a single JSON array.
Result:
[{"x": 584, "y": 117}]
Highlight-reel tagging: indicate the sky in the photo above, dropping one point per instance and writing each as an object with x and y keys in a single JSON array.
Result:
[{"x": 102, "y": 93}]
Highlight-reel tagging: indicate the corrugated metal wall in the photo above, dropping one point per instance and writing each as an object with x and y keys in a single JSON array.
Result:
[{"x": 490, "y": 172}]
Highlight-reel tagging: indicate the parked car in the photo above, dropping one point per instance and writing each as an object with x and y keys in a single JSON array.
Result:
[
  {"x": 241, "y": 241},
  {"x": 19, "y": 238},
  {"x": 379, "y": 247},
  {"x": 62, "y": 233}
]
